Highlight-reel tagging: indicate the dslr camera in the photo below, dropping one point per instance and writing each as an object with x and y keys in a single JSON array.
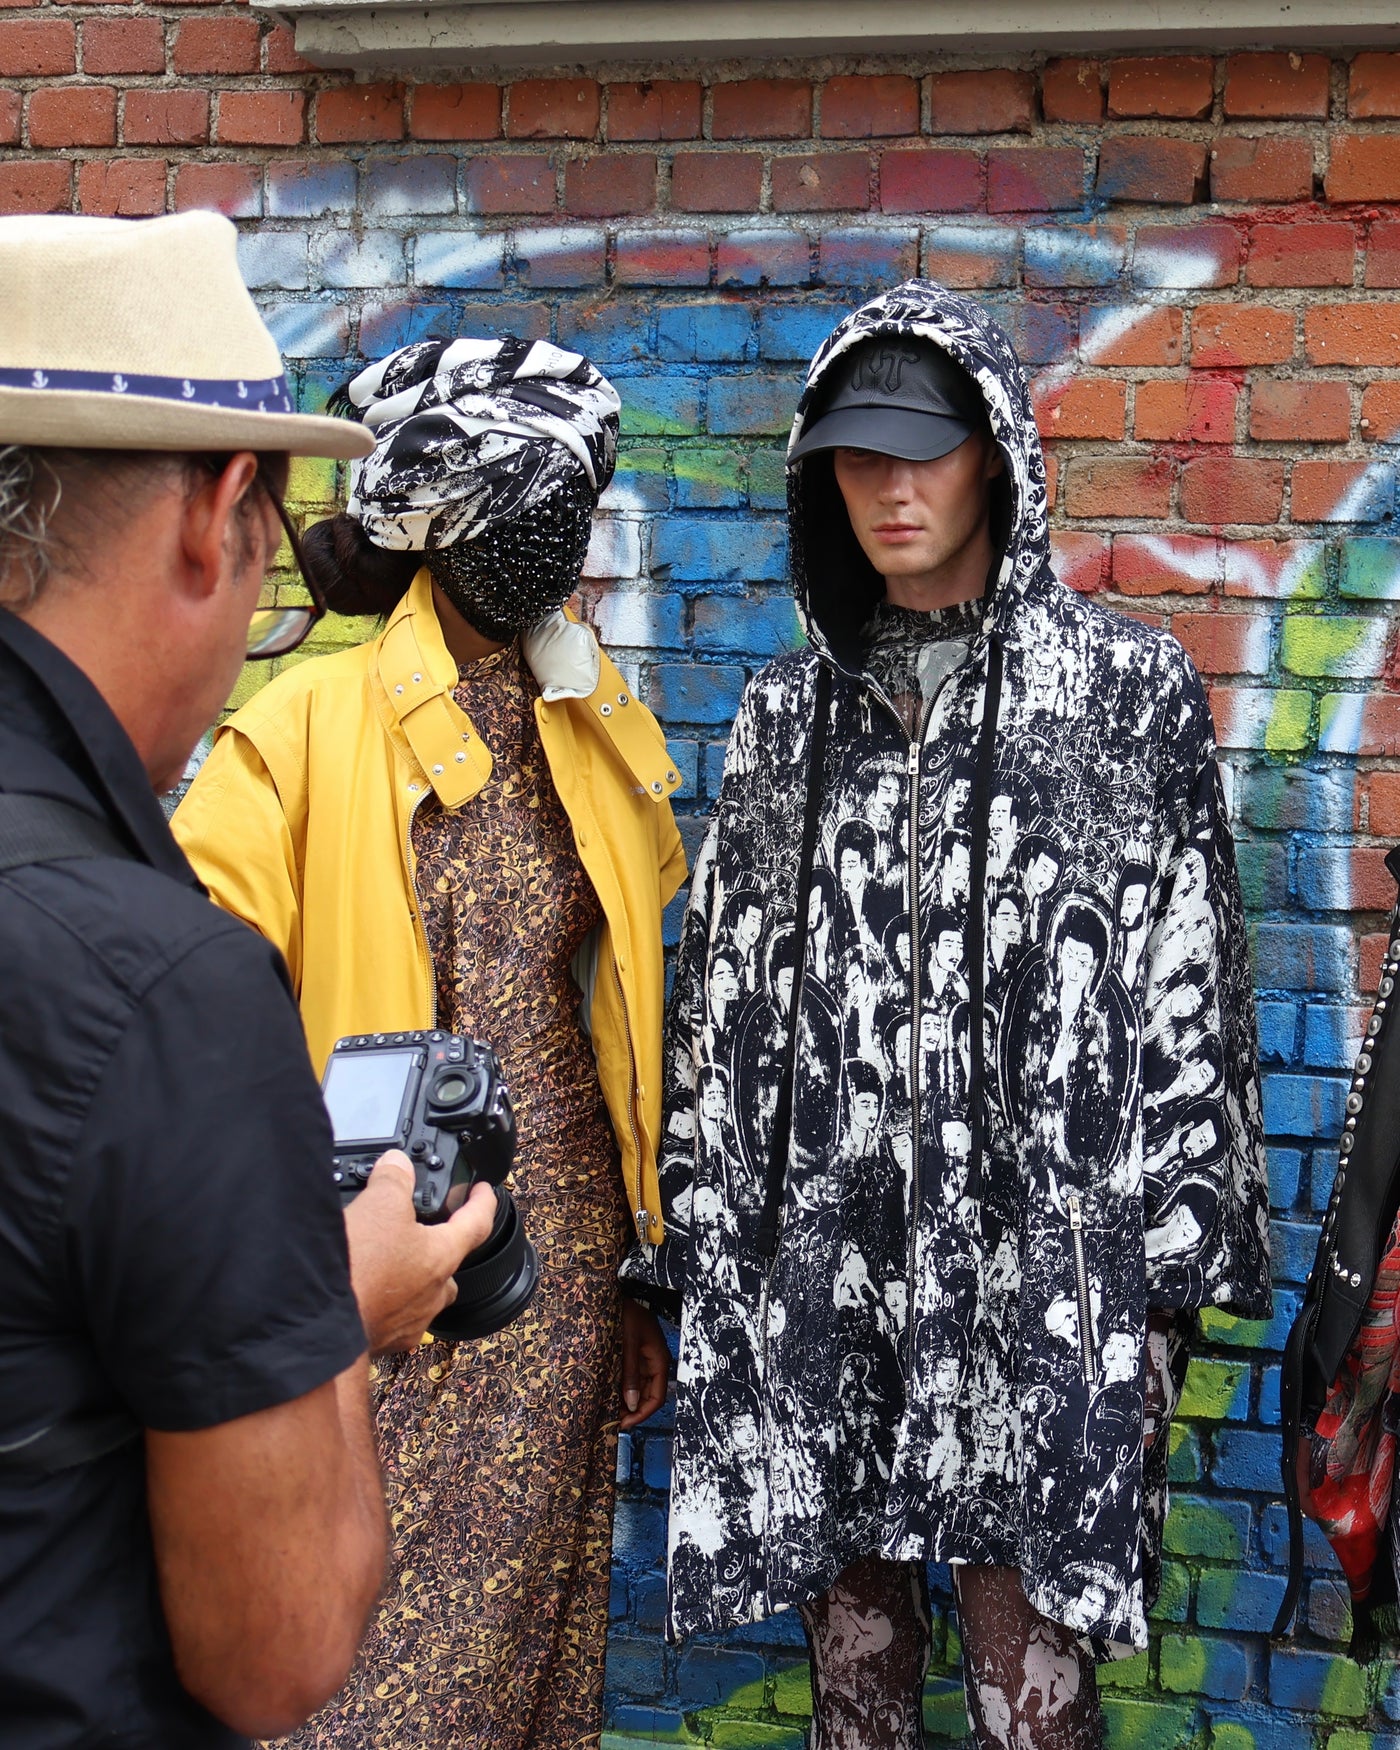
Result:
[{"x": 440, "y": 1098}]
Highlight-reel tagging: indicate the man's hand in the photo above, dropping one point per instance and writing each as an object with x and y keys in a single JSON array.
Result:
[
  {"x": 401, "y": 1270},
  {"x": 646, "y": 1363}
]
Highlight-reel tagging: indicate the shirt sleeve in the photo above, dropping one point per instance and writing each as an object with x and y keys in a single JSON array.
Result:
[
  {"x": 1205, "y": 1180},
  {"x": 206, "y": 1246}
]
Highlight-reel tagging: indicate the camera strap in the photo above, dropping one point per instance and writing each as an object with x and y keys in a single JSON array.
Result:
[{"x": 41, "y": 829}]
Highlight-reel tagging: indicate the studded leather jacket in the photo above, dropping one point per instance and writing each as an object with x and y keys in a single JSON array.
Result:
[{"x": 1335, "y": 1378}]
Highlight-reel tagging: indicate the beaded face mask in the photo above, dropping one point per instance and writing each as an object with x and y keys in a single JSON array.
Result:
[{"x": 514, "y": 574}]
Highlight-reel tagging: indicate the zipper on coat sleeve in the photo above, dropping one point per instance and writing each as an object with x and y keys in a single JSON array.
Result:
[
  {"x": 420, "y": 928},
  {"x": 1088, "y": 1359}
]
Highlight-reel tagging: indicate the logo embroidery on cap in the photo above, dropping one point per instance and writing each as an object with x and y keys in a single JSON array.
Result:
[{"x": 882, "y": 368}]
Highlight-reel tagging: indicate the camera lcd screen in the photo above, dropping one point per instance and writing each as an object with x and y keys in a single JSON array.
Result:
[{"x": 364, "y": 1094}]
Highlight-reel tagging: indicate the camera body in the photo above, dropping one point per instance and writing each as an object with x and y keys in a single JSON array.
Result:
[
  {"x": 437, "y": 1096},
  {"x": 440, "y": 1098}
]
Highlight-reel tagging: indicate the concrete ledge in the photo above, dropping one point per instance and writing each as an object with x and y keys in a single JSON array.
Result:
[{"x": 501, "y": 33}]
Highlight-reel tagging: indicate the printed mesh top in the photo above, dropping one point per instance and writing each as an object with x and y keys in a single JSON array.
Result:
[{"x": 499, "y": 1455}]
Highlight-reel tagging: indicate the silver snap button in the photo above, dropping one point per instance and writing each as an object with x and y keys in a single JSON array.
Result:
[
  {"x": 399, "y": 688},
  {"x": 465, "y": 736},
  {"x": 1363, "y": 1063},
  {"x": 670, "y": 777},
  {"x": 1373, "y": 1026},
  {"x": 413, "y": 789},
  {"x": 1355, "y": 1279},
  {"x": 605, "y": 710},
  {"x": 459, "y": 757},
  {"x": 622, "y": 698},
  {"x": 1348, "y": 1144},
  {"x": 1387, "y": 985},
  {"x": 1353, "y": 1102},
  {"x": 416, "y": 679},
  {"x": 658, "y": 786},
  {"x": 437, "y": 770}
]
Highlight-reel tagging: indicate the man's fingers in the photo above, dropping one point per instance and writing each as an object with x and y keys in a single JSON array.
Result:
[
  {"x": 393, "y": 1171},
  {"x": 471, "y": 1224},
  {"x": 631, "y": 1369}
]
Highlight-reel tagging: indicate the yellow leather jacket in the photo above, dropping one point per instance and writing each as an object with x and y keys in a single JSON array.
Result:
[{"x": 299, "y": 823}]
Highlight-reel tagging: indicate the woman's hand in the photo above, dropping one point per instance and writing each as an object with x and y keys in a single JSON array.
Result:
[{"x": 646, "y": 1364}]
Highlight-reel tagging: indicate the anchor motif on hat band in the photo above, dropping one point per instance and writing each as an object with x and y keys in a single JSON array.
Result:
[{"x": 271, "y": 394}]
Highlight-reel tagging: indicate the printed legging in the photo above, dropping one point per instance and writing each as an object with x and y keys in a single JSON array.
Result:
[{"x": 1030, "y": 1684}]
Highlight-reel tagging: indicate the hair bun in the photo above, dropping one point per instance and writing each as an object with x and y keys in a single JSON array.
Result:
[{"x": 354, "y": 575}]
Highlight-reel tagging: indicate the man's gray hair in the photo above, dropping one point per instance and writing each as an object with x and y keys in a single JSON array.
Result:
[{"x": 30, "y": 492}]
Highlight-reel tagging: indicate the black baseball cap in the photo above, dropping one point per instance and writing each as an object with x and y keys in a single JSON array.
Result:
[{"x": 895, "y": 394}]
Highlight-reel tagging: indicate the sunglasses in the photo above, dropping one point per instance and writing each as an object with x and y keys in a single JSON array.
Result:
[{"x": 277, "y": 630}]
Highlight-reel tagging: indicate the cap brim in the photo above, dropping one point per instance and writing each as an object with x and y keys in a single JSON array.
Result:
[
  {"x": 889, "y": 431},
  {"x": 78, "y": 419}
]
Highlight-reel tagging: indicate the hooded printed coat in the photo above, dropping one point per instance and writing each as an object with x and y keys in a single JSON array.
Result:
[{"x": 1026, "y": 1108}]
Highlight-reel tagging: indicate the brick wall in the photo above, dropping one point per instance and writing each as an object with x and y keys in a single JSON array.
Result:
[{"x": 1199, "y": 257}]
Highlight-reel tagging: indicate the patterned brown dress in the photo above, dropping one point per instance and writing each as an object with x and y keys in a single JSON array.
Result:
[{"x": 499, "y": 1455}]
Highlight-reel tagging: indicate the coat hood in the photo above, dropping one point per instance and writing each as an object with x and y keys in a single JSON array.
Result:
[{"x": 835, "y": 584}]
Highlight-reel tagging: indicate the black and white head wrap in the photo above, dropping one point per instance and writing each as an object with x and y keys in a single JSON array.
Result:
[{"x": 472, "y": 434}]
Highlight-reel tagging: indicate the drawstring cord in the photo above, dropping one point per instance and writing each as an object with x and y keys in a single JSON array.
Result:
[{"x": 977, "y": 909}]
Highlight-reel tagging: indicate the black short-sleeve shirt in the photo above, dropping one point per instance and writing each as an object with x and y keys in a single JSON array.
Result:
[{"x": 172, "y": 1255}]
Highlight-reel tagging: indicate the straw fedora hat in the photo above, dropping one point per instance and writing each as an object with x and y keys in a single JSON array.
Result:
[{"x": 139, "y": 334}]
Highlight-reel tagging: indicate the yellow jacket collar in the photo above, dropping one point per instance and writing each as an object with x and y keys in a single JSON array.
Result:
[{"x": 417, "y": 674}]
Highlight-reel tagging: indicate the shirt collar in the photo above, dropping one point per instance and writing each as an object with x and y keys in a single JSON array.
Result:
[{"x": 54, "y": 706}]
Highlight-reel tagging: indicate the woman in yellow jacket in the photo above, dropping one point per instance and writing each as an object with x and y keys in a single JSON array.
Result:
[{"x": 466, "y": 823}]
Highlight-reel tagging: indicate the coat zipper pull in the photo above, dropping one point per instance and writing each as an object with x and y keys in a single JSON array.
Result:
[
  {"x": 643, "y": 1220},
  {"x": 1076, "y": 1212},
  {"x": 914, "y": 751}
]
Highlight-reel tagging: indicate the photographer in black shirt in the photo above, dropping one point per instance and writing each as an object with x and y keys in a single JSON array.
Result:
[{"x": 191, "y": 1525}]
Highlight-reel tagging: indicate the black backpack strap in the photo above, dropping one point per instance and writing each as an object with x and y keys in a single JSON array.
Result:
[
  {"x": 782, "y": 1113},
  {"x": 41, "y": 829}
]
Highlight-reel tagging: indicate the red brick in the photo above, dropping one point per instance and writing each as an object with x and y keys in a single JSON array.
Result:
[
  {"x": 716, "y": 182},
  {"x": 606, "y": 187},
  {"x": 221, "y": 44},
  {"x": 1241, "y": 334},
  {"x": 123, "y": 45},
  {"x": 1176, "y": 86},
  {"x": 656, "y": 109},
  {"x": 1372, "y": 948},
  {"x": 1232, "y": 489},
  {"x": 73, "y": 115},
  {"x": 1373, "y": 86},
  {"x": 1275, "y": 168},
  {"x": 1166, "y": 564},
  {"x": 930, "y": 179},
  {"x": 1281, "y": 411},
  {"x": 554, "y": 109},
  {"x": 1122, "y": 334},
  {"x": 996, "y": 100},
  {"x": 122, "y": 188},
  {"x": 1035, "y": 179},
  {"x": 969, "y": 259},
  {"x": 360, "y": 112},
  {"x": 1301, "y": 255},
  {"x": 822, "y": 183},
  {"x": 1383, "y": 254},
  {"x": 863, "y": 106},
  {"x": 1080, "y": 559},
  {"x": 1219, "y": 643},
  {"x": 1082, "y": 407},
  {"x": 1352, "y": 334},
  {"x": 37, "y": 48},
  {"x": 1382, "y": 794},
  {"x": 1072, "y": 91},
  {"x": 1364, "y": 167},
  {"x": 1119, "y": 486},
  {"x": 455, "y": 112},
  {"x": 262, "y": 118},
  {"x": 1380, "y": 413},
  {"x": 232, "y": 189},
  {"x": 165, "y": 118},
  {"x": 1320, "y": 487},
  {"x": 1052, "y": 472},
  {"x": 11, "y": 105},
  {"x": 1146, "y": 167},
  {"x": 1280, "y": 86},
  {"x": 1198, "y": 411},
  {"x": 761, "y": 109},
  {"x": 39, "y": 186},
  {"x": 513, "y": 182},
  {"x": 661, "y": 258},
  {"x": 280, "y": 55}
]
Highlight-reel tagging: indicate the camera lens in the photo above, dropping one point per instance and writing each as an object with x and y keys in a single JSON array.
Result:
[{"x": 496, "y": 1283}]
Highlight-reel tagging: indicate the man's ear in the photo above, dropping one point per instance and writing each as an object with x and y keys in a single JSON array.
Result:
[
  {"x": 208, "y": 531},
  {"x": 996, "y": 462}
]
